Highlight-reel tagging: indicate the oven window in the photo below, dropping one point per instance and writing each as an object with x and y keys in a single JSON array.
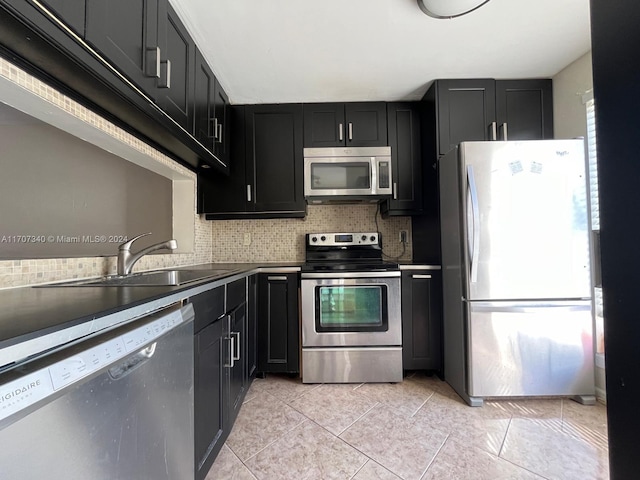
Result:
[
  {"x": 340, "y": 176},
  {"x": 360, "y": 308}
]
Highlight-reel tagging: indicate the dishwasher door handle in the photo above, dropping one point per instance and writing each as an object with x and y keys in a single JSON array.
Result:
[{"x": 130, "y": 364}]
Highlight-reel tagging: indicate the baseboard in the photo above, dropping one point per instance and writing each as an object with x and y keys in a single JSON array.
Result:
[{"x": 601, "y": 395}]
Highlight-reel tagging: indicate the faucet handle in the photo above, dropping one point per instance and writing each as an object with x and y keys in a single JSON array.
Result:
[{"x": 127, "y": 245}]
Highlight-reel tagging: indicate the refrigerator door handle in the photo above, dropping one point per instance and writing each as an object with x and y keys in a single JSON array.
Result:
[{"x": 473, "y": 222}]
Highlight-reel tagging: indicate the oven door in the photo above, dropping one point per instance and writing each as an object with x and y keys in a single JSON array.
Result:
[{"x": 351, "y": 309}]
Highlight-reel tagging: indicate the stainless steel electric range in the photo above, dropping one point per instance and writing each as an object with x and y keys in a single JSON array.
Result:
[{"x": 351, "y": 324}]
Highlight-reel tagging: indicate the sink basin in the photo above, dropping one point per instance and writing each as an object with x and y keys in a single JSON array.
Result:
[{"x": 146, "y": 279}]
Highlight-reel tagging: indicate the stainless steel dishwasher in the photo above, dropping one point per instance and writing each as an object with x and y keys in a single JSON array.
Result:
[{"x": 117, "y": 406}]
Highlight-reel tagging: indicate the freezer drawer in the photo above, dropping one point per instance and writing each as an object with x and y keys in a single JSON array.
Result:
[{"x": 530, "y": 349}]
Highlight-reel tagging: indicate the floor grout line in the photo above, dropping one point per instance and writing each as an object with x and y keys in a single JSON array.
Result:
[{"x": 505, "y": 437}]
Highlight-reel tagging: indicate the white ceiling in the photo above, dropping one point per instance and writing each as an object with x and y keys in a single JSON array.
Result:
[{"x": 279, "y": 51}]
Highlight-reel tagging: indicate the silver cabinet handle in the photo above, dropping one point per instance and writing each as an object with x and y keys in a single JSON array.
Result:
[
  {"x": 248, "y": 193},
  {"x": 504, "y": 131},
  {"x": 231, "y": 342},
  {"x": 340, "y": 133},
  {"x": 213, "y": 122},
  {"x": 473, "y": 232},
  {"x": 419, "y": 275},
  {"x": 494, "y": 131},
  {"x": 232, "y": 355},
  {"x": 277, "y": 278},
  {"x": 350, "y": 131},
  {"x": 165, "y": 74},
  {"x": 220, "y": 133},
  {"x": 395, "y": 191},
  {"x": 236, "y": 354},
  {"x": 152, "y": 62}
]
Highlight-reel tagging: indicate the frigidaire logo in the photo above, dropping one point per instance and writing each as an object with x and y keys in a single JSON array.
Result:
[
  {"x": 16, "y": 392},
  {"x": 562, "y": 154}
]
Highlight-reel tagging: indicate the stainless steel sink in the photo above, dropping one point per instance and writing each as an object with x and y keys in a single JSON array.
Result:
[{"x": 146, "y": 279}]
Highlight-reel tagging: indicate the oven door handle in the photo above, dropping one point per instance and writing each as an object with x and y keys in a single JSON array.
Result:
[{"x": 338, "y": 275}]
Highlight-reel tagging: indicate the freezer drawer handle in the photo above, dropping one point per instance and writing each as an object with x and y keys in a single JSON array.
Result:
[
  {"x": 473, "y": 222},
  {"x": 420, "y": 276}
]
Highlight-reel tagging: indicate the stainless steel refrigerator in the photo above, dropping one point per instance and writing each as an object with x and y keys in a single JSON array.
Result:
[{"x": 516, "y": 270}]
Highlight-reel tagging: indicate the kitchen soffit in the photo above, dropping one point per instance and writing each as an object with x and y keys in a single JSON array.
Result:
[{"x": 365, "y": 50}]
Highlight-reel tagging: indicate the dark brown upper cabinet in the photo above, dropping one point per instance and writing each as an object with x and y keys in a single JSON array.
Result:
[
  {"x": 486, "y": 109},
  {"x": 205, "y": 129},
  {"x": 211, "y": 105},
  {"x": 524, "y": 109},
  {"x": 222, "y": 124},
  {"x": 132, "y": 61},
  {"x": 176, "y": 83},
  {"x": 128, "y": 34},
  {"x": 466, "y": 111},
  {"x": 266, "y": 171},
  {"x": 362, "y": 124},
  {"x": 403, "y": 121}
]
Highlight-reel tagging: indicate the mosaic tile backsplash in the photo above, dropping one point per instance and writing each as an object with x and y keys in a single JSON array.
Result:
[{"x": 282, "y": 240}]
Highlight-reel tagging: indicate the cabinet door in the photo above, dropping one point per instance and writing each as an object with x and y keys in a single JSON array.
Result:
[
  {"x": 252, "y": 333},
  {"x": 324, "y": 125},
  {"x": 422, "y": 320},
  {"x": 222, "y": 196},
  {"x": 222, "y": 133},
  {"x": 238, "y": 366},
  {"x": 72, "y": 12},
  {"x": 366, "y": 124},
  {"x": 209, "y": 392},
  {"x": 278, "y": 343},
  {"x": 274, "y": 157},
  {"x": 403, "y": 120},
  {"x": 524, "y": 109},
  {"x": 466, "y": 112},
  {"x": 126, "y": 33},
  {"x": 203, "y": 105},
  {"x": 177, "y": 72}
]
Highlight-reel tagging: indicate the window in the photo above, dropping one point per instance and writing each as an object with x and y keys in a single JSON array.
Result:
[
  {"x": 593, "y": 165},
  {"x": 595, "y": 217}
]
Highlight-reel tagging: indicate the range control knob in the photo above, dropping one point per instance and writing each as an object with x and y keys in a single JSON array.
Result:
[
  {"x": 314, "y": 239},
  {"x": 363, "y": 238},
  {"x": 323, "y": 238},
  {"x": 373, "y": 238}
]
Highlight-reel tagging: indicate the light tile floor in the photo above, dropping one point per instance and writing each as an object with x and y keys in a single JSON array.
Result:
[{"x": 418, "y": 429}]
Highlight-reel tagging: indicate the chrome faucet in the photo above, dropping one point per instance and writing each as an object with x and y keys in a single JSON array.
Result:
[{"x": 126, "y": 259}]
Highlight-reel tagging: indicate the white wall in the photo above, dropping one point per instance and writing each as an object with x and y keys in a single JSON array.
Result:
[{"x": 569, "y": 85}]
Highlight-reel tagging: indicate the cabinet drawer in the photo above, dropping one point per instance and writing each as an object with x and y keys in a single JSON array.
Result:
[
  {"x": 236, "y": 293},
  {"x": 207, "y": 307}
]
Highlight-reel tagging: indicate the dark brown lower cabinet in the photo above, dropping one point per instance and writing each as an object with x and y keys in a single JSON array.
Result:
[
  {"x": 221, "y": 376},
  {"x": 209, "y": 377},
  {"x": 278, "y": 324},
  {"x": 422, "y": 320}
]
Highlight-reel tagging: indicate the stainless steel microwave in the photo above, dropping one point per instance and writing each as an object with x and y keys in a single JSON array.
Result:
[{"x": 347, "y": 174}]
